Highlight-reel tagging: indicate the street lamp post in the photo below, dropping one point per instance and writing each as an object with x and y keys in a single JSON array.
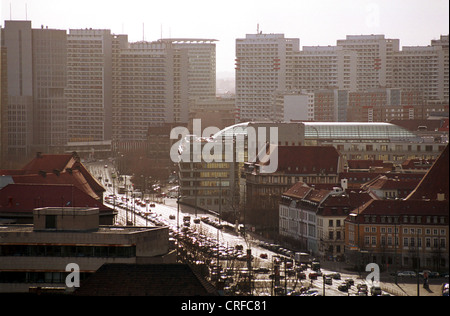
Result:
[{"x": 219, "y": 214}]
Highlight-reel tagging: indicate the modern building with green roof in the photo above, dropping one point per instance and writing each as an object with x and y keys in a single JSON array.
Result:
[{"x": 354, "y": 140}]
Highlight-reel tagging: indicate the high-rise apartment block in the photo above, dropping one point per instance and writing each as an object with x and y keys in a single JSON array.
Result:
[
  {"x": 152, "y": 89},
  {"x": 16, "y": 38},
  {"x": 262, "y": 61},
  {"x": 317, "y": 67},
  {"x": 269, "y": 64},
  {"x": 49, "y": 84},
  {"x": 424, "y": 68},
  {"x": 34, "y": 113},
  {"x": 3, "y": 104},
  {"x": 88, "y": 85},
  {"x": 155, "y": 83},
  {"x": 374, "y": 59},
  {"x": 202, "y": 64}
]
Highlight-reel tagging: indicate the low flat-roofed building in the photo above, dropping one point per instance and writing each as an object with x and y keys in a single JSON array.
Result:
[
  {"x": 38, "y": 255},
  {"x": 146, "y": 280}
]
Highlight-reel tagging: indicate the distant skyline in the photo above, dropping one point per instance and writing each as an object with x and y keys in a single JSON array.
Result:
[{"x": 314, "y": 22}]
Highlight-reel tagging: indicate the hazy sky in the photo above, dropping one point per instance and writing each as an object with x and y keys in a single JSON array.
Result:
[{"x": 315, "y": 22}]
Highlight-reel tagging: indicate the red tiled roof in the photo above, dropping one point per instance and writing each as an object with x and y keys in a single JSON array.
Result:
[
  {"x": 417, "y": 164},
  {"x": 57, "y": 169},
  {"x": 332, "y": 204},
  {"x": 308, "y": 159},
  {"x": 435, "y": 180},
  {"x": 298, "y": 191},
  {"x": 75, "y": 178},
  {"x": 364, "y": 164},
  {"x": 413, "y": 125},
  {"x": 357, "y": 179},
  {"x": 49, "y": 163},
  {"x": 404, "y": 207},
  {"x": 317, "y": 195},
  {"x": 26, "y": 197},
  {"x": 444, "y": 127},
  {"x": 382, "y": 182}
]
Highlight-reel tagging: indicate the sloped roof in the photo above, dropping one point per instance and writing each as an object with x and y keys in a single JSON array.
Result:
[
  {"x": 57, "y": 169},
  {"x": 404, "y": 207},
  {"x": 306, "y": 159},
  {"x": 145, "y": 280},
  {"x": 435, "y": 180},
  {"x": 298, "y": 191},
  {"x": 413, "y": 125},
  {"x": 49, "y": 163},
  {"x": 74, "y": 178},
  {"x": 364, "y": 164},
  {"x": 382, "y": 182},
  {"x": 16, "y": 198}
]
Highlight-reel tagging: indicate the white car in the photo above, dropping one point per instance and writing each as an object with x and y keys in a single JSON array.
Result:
[{"x": 406, "y": 274}]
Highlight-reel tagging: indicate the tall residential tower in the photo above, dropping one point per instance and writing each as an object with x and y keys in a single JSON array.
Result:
[{"x": 261, "y": 64}]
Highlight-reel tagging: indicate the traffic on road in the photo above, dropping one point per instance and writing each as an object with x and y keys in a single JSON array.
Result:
[{"x": 237, "y": 261}]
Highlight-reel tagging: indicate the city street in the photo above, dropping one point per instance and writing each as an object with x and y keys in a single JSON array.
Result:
[{"x": 265, "y": 281}]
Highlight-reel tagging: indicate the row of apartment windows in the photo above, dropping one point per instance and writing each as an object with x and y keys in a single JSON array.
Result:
[
  {"x": 37, "y": 277},
  {"x": 405, "y": 219},
  {"x": 408, "y": 242},
  {"x": 68, "y": 251},
  {"x": 412, "y": 231}
]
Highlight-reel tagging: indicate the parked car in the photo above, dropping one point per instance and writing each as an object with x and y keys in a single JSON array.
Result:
[
  {"x": 313, "y": 276},
  {"x": 362, "y": 287},
  {"x": 406, "y": 274},
  {"x": 328, "y": 280},
  {"x": 343, "y": 287},
  {"x": 375, "y": 291},
  {"x": 445, "y": 290},
  {"x": 336, "y": 276},
  {"x": 350, "y": 282},
  {"x": 311, "y": 293}
]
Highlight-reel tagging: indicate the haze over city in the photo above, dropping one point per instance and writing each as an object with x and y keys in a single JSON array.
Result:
[
  {"x": 224, "y": 148},
  {"x": 323, "y": 22}
]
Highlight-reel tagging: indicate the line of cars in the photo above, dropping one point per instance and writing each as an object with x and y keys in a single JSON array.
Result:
[
  {"x": 423, "y": 274},
  {"x": 207, "y": 220}
]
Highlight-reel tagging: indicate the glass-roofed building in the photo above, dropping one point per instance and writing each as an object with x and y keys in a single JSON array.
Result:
[
  {"x": 355, "y": 141},
  {"x": 378, "y": 141},
  {"x": 357, "y": 132}
]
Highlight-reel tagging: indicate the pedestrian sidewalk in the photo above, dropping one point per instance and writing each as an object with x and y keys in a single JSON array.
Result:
[
  {"x": 403, "y": 287},
  {"x": 410, "y": 287}
]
